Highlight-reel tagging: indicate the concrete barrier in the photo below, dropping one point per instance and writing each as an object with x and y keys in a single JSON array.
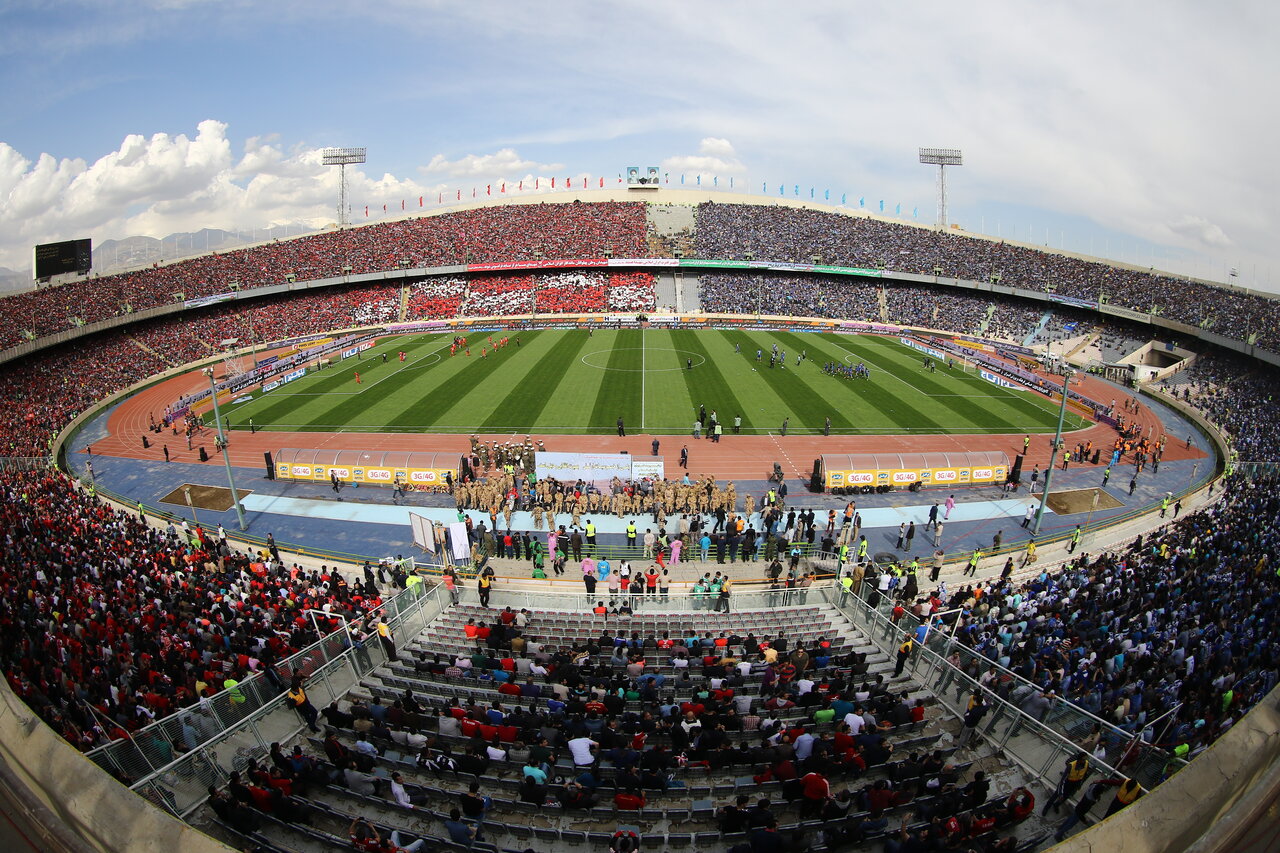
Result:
[
  {"x": 1222, "y": 802},
  {"x": 62, "y": 801}
]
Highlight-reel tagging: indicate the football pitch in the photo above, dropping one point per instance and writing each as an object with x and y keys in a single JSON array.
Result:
[{"x": 573, "y": 382}]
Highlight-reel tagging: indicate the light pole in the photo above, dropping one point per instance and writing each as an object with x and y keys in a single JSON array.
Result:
[
  {"x": 222, "y": 439},
  {"x": 1053, "y": 456},
  {"x": 942, "y": 158}
]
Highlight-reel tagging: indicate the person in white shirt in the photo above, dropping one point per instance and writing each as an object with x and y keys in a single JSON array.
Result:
[
  {"x": 854, "y": 721},
  {"x": 398, "y": 792},
  {"x": 581, "y": 748},
  {"x": 803, "y": 686},
  {"x": 496, "y": 753}
]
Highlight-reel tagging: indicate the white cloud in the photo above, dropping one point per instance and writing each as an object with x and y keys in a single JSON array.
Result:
[
  {"x": 164, "y": 184},
  {"x": 715, "y": 157},
  {"x": 486, "y": 166},
  {"x": 1201, "y": 230}
]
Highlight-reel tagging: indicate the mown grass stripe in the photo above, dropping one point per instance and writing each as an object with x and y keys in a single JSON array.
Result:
[
  {"x": 619, "y": 395},
  {"x": 529, "y": 395}
]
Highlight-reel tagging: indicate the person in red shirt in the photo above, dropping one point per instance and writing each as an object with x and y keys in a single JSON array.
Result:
[{"x": 817, "y": 791}]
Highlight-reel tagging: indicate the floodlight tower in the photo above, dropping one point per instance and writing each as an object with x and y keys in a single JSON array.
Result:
[
  {"x": 342, "y": 157},
  {"x": 942, "y": 158}
]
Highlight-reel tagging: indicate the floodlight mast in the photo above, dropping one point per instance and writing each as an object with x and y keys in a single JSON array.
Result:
[
  {"x": 942, "y": 158},
  {"x": 342, "y": 157}
]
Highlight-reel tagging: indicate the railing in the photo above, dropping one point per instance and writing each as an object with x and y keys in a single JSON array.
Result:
[
  {"x": 678, "y": 601},
  {"x": 1041, "y": 747},
  {"x": 25, "y": 463},
  {"x": 238, "y": 725}
]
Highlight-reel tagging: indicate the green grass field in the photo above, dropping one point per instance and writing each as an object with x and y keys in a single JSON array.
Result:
[{"x": 571, "y": 382}]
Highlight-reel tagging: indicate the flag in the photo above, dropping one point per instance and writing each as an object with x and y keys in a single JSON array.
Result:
[
  {"x": 782, "y": 190},
  {"x": 882, "y": 205},
  {"x": 402, "y": 204},
  {"x": 473, "y": 192},
  {"x": 459, "y": 195},
  {"x": 699, "y": 180},
  {"x": 826, "y": 194},
  {"x": 897, "y": 211},
  {"x": 537, "y": 183},
  {"x": 797, "y": 189},
  {"x": 553, "y": 183},
  {"x": 440, "y": 198},
  {"x": 521, "y": 186},
  {"x": 731, "y": 182},
  {"x": 763, "y": 187},
  {"x": 811, "y": 192},
  {"x": 862, "y": 201},
  {"x": 682, "y": 180},
  {"x": 602, "y": 181},
  {"x": 915, "y": 213},
  {"x": 504, "y": 186},
  {"x": 420, "y": 204},
  {"x": 584, "y": 183},
  {"x": 715, "y": 180},
  {"x": 488, "y": 189},
  {"x": 843, "y": 198},
  {"x": 366, "y": 211},
  {"x": 384, "y": 208}
]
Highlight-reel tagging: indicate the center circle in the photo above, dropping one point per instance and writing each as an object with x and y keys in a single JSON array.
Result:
[{"x": 698, "y": 359}]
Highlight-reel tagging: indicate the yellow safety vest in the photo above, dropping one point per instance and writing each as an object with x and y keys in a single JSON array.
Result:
[
  {"x": 1077, "y": 770},
  {"x": 1129, "y": 791}
]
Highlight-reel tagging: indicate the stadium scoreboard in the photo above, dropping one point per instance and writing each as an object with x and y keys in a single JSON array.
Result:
[{"x": 58, "y": 258}]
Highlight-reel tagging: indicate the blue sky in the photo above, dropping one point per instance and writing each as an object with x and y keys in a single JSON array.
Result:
[{"x": 1118, "y": 130}]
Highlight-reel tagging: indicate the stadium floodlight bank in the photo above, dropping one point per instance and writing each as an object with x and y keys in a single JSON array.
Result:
[
  {"x": 942, "y": 158},
  {"x": 342, "y": 157}
]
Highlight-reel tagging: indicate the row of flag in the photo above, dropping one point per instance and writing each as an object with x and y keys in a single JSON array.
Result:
[{"x": 570, "y": 183}]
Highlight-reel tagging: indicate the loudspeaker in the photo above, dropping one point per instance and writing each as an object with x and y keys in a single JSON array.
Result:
[
  {"x": 1015, "y": 473},
  {"x": 271, "y": 465},
  {"x": 204, "y": 455}
]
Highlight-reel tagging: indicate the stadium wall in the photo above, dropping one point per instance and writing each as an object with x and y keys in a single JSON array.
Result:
[
  {"x": 1222, "y": 802},
  {"x": 68, "y": 803}
]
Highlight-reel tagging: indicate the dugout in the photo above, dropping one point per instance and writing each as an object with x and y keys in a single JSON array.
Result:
[
  {"x": 847, "y": 473},
  {"x": 419, "y": 469}
]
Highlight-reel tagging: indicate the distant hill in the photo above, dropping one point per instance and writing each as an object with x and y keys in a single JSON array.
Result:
[
  {"x": 11, "y": 280},
  {"x": 114, "y": 255}
]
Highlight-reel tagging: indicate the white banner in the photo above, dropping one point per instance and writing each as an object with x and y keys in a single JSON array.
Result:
[
  {"x": 651, "y": 467},
  {"x": 596, "y": 467},
  {"x": 461, "y": 546}
]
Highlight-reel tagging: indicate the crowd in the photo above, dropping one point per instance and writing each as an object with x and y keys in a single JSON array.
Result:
[
  {"x": 108, "y": 624},
  {"x": 630, "y": 714},
  {"x": 528, "y": 232},
  {"x": 790, "y": 295},
  {"x": 505, "y": 233},
  {"x": 731, "y": 231},
  {"x": 1169, "y": 639}
]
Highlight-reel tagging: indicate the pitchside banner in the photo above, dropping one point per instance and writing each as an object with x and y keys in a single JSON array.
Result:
[
  {"x": 378, "y": 476},
  {"x": 903, "y": 477}
]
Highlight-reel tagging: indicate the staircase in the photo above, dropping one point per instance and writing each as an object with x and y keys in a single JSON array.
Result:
[
  {"x": 986, "y": 321},
  {"x": 404, "y": 304},
  {"x": 1044, "y": 321},
  {"x": 140, "y": 345},
  {"x": 883, "y": 298}
]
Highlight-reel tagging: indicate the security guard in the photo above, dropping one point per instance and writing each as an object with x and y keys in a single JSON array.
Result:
[{"x": 631, "y": 534}]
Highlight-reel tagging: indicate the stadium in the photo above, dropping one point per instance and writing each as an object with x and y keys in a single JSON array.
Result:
[{"x": 953, "y": 540}]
